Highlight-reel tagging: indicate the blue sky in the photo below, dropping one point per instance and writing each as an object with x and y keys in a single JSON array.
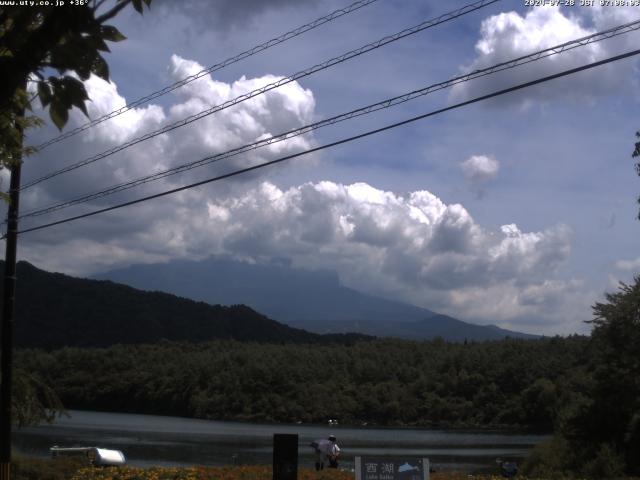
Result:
[{"x": 519, "y": 211}]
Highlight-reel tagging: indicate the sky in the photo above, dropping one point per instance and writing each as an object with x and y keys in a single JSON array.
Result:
[{"x": 518, "y": 211}]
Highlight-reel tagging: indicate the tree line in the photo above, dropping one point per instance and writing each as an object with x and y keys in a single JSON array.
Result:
[{"x": 513, "y": 383}]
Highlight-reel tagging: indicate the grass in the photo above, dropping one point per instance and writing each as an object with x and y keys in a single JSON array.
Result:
[{"x": 23, "y": 468}]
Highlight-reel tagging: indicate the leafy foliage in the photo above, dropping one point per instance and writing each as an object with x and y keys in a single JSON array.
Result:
[
  {"x": 385, "y": 382},
  {"x": 636, "y": 154},
  {"x": 600, "y": 430},
  {"x": 33, "y": 401},
  {"x": 613, "y": 419},
  {"x": 12, "y": 126},
  {"x": 37, "y": 39}
]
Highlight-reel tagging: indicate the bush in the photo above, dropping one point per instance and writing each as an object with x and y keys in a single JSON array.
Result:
[
  {"x": 606, "y": 464},
  {"x": 551, "y": 459},
  {"x": 23, "y": 468}
]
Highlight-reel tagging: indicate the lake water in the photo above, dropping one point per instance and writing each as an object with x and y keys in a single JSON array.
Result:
[{"x": 148, "y": 440}]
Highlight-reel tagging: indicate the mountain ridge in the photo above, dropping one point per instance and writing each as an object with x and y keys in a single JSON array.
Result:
[
  {"x": 312, "y": 300},
  {"x": 54, "y": 310}
]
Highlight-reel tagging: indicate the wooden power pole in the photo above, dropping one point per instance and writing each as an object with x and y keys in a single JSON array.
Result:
[{"x": 6, "y": 331}]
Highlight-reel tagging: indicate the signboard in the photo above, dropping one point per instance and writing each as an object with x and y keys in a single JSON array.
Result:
[{"x": 392, "y": 468}]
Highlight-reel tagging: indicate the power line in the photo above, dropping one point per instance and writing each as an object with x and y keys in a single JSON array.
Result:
[
  {"x": 596, "y": 37},
  {"x": 218, "y": 66},
  {"x": 296, "y": 76},
  {"x": 339, "y": 142}
]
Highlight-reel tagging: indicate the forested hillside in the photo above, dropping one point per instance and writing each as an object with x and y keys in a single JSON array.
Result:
[
  {"x": 387, "y": 382},
  {"x": 55, "y": 310}
]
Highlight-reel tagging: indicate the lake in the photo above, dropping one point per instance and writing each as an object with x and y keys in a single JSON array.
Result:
[{"x": 148, "y": 440}]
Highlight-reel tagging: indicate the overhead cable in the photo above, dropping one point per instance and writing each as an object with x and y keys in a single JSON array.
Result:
[
  {"x": 339, "y": 142},
  {"x": 547, "y": 52},
  {"x": 446, "y": 17},
  {"x": 218, "y": 66}
]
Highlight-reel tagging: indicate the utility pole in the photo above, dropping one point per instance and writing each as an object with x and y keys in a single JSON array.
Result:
[{"x": 6, "y": 339}]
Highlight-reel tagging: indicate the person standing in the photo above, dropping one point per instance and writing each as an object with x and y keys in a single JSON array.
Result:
[
  {"x": 333, "y": 452},
  {"x": 326, "y": 450}
]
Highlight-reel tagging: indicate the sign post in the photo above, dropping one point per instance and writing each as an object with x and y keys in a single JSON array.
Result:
[
  {"x": 285, "y": 456},
  {"x": 392, "y": 468}
]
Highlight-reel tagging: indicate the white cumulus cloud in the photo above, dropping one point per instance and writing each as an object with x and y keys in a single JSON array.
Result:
[
  {"x": 629, "y": 265},
  {"x": 164, "y": 228},
  {"x": 510, "y": 35},
  {"x": 277, "y": 111},
  {"x": 478, "y": 170},
  {"x": 385, "y": 243}
]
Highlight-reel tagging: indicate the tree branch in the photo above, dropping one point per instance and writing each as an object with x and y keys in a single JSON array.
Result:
[
  {"x": 97, "y": 4},
  {"x": 113, "y": 12}
]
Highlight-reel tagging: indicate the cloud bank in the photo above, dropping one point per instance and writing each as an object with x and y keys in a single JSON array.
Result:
[
  {"x": 510, "y": 35},
  {"x": 225, "y": 14},
  {"x": 285, "y": 108},
  {"x": 415, "y": 245}
]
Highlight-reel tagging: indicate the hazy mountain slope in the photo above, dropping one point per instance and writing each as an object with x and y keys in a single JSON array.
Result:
[{"x": 313, "y": 300}]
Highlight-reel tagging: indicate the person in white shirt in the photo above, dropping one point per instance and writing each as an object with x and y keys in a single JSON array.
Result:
[
  {"x": 333, "y": 452},
  {"x": 326, "y": 450}
]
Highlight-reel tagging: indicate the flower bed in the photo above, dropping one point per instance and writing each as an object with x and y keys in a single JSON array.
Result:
[
  {"x": 201, "y": 473},
  {"x": 261, "y": 472}
]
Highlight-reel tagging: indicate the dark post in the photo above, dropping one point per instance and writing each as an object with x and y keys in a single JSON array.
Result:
[
  {"x": 285, "y": 456},
  {"x": 7, "y": 320}
]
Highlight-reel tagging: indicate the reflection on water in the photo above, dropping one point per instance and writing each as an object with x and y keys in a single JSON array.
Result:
[{"x": 152, "y": 440}]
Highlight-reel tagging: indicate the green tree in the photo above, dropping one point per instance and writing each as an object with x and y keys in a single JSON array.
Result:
[
  {"x": 636, "y": 154},
  {"x": 614, "y": 417},
  {"x": 539, "y": 401},
  {"x": 64, "y": 42},
  {"x": 54, "y": 47},
  {"x": 34, "y": 401},
  {"x": 600, "y": 431}
]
